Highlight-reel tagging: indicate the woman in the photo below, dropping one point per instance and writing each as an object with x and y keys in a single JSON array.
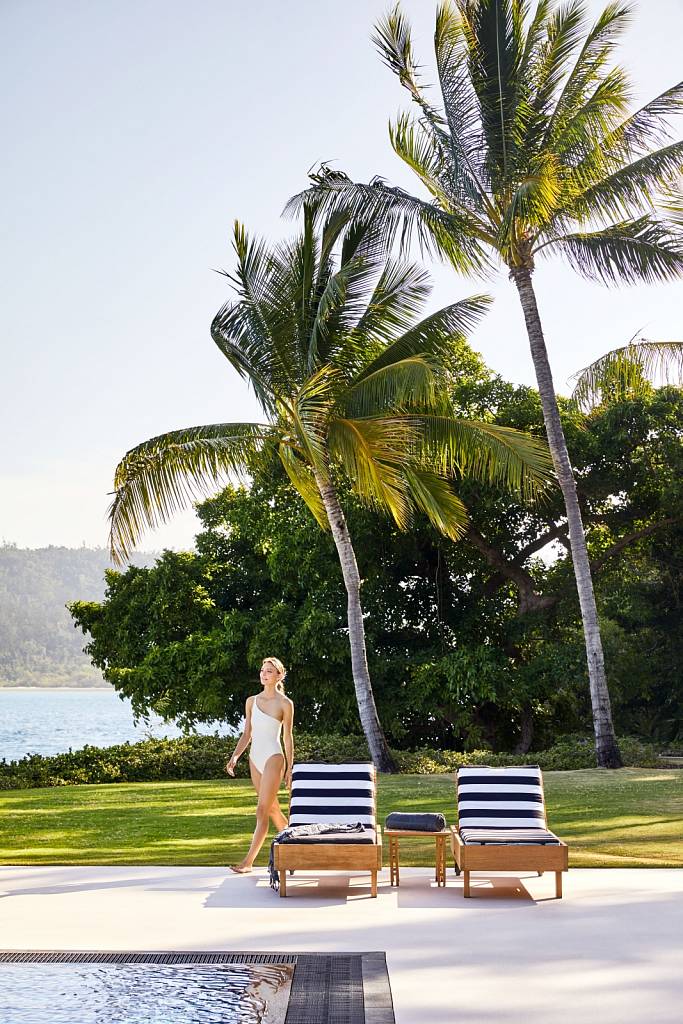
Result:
[{"x": 266, "y": 715}]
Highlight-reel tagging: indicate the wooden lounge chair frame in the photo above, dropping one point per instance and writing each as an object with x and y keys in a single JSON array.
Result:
[
  {"x": 322, "y": 856},
  {"x": 512, "y": 857}
]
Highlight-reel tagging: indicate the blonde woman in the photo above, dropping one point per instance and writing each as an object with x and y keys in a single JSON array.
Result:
[{"x": 266, "y": 716}]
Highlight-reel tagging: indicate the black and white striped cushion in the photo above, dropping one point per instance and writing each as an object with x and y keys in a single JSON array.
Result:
[
  {"x": 508, "y": 837},
  {"x": 333, "y": 793},
  {"x": 500, "y": 798}
]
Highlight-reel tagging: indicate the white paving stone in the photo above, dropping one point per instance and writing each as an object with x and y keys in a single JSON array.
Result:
[{"x": 610, "y": 952}]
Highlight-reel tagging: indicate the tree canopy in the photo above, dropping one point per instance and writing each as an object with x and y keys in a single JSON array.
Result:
[{"x": 469, "y": 643}]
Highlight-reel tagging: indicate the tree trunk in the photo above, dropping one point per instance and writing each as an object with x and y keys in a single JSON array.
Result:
[
  {"x": 607, "y": 751},
  {"x": 526, "y": 734},
  {"x": 377, "y": 744}
]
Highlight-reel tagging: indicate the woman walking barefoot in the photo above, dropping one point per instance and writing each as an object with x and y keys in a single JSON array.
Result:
[{"x": 266, "y": 716}]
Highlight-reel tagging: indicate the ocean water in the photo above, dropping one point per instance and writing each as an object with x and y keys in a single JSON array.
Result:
[{"x": 52, "y": 721}]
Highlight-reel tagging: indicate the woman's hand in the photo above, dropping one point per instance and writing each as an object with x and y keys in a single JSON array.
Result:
[
  {"x": 230, "y": 766},
  {"x": 288, "y": 780}
]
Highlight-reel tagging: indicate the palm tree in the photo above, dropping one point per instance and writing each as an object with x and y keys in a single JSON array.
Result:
[
  {"x": 531, "y": 153},
  {"x": 626, "y": 372},
  {"x": 325, "y": 331}
]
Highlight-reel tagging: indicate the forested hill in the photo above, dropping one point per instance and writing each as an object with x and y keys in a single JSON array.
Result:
[{"x": 39, "y": 645}]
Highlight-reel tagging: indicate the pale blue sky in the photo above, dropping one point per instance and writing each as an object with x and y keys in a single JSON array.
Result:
[{"x": 134, "y": 134}]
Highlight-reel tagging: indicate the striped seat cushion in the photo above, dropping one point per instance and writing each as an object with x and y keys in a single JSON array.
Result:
[
  {"x": 367, "y": 836},
  {"x": 333, "y": 793},
  {"x": 508, "y": 837},
  {"x": 501, "y": 798}
]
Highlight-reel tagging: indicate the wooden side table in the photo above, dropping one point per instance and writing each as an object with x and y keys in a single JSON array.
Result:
[{"x": 395, "y": 835}]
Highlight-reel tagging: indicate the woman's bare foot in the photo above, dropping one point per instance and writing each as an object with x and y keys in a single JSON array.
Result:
[{"x": 240, "y": 869}]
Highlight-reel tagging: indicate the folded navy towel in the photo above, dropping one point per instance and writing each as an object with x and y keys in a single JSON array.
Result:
[{"x": 415, "y": 822}]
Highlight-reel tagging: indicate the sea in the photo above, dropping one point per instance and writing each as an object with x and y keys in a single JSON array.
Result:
[{"x": 52, "y": 721}]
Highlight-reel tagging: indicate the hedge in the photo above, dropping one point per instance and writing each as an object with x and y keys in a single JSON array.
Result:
[{"x": 204, "y": 757}]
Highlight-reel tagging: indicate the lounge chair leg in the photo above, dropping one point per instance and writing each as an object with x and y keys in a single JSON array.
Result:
[
  {"x": 373, "y": 883},
  {"x": 466, "y": 878},
  {"x": 558, "y": 885},
  {"x": 283, "y": 882},
  {"x": 540, "y": 874}
]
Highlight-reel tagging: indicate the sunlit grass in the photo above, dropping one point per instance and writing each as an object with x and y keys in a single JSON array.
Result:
[{"x": 629, "y": 818}]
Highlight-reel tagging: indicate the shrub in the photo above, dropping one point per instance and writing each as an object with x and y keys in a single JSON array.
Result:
[{"x": 204, "y": 757}]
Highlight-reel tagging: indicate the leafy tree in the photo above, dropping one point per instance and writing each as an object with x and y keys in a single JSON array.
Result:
[
  {"x": 532, "y": 153},
  {"x": 472, "y": 644},
  {"x": 351, "y": 384}
]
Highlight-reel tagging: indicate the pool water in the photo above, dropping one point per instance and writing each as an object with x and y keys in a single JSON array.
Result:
[{"x": 116, "y": 993}]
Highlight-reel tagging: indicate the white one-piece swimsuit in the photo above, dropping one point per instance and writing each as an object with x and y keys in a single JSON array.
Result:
[{"x": 265, "y": 737}]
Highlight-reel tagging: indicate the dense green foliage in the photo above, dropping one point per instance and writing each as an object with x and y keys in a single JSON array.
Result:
[
  {"x": 204, "y": 757},
  {"x": 38, "y": 643},
  {"x": 628, "y": 818},
  {"x": 471, "y": 645}
]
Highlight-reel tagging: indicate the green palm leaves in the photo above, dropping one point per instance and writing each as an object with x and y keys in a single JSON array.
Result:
[
  {"x": 326, "y": 331},
  {"x": 626, "y": 372},
  {"x": 531, "y": 149}
]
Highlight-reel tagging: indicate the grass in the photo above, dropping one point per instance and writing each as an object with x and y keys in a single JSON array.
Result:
[{"x": 627, "y": 818}]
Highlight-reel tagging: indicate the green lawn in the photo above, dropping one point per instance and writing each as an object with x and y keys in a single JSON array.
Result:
[{"x": 629, "y": 818}]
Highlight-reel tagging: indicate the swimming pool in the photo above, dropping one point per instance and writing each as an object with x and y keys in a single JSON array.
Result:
[
  {"x": 144, "y": 993},
  {"x": 70, "y": 987}
]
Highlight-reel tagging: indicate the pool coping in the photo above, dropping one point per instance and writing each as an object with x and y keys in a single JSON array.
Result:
[{"x": 350, "y": 988}]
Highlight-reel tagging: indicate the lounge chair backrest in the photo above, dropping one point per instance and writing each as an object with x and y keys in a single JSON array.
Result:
[
  {"x": 327, "y": 793},
  {"x": 501, "y": 797}
]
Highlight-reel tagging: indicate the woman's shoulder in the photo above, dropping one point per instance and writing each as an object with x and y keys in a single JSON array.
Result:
[{"x": 285, "y": 701}]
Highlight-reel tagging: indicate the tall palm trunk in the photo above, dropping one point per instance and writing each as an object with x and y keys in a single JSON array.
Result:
[
  {"x": 377, "y": 744},
  {"x": 607, "y": 751}
]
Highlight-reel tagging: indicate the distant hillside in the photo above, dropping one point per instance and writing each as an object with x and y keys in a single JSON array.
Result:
[{"x": 39, "y": 645}]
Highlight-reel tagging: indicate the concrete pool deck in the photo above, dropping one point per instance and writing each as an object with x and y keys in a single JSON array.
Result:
[{"x": 610, "y": 952}]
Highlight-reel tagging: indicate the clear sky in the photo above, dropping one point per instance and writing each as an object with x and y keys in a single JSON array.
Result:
[{"x": 134, "y": 133}]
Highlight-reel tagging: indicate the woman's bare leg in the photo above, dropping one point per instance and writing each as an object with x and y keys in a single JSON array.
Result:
[
  {"x": 276, "y": 815},
  {"x": 266, "y": 785}
]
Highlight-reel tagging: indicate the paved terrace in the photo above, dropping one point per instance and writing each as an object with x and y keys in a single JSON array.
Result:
[{"x": 610, "y": 952}]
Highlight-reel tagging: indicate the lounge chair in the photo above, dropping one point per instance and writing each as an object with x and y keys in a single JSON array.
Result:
[
  {"x": 332, "y": 793},
  {"x": 502, "y": 825}
]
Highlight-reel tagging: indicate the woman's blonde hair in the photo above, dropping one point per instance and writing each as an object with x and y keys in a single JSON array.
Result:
[{"x": 281, "y": 670}]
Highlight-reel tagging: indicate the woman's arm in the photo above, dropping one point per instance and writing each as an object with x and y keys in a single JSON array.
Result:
[
  {"x": 287, "y": 723},
  {"x": 244, "y": 739}
]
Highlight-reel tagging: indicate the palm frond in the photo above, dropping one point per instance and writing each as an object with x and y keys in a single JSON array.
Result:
[
  {"x": 164, "y": 474},
  {"x": 302, "y": 477},
  {"x": 393, "y": 41},
  {"x": 309, "y": 414},
  {"x": 434, "y": 336},
  {"x": 491, "y": 30},
  {"x": 399, "y": 294},
  {"x": 407, "y": 383},
  {"x": 647, "y": 127},
  {"x": 339, "y": 309},
  {"x": 434, "y": 495},
  {"x": 372, "y": 453},
  {"x": 597, "y": 117},
  {"x": 594, "y": 54},
  {"x": 531, "y": 204},
  {"x": 627, "y": 191},
  {"x": 398, "y": 215},
  {"x": 645, "y": 249},
  {"x": 561, "y": 35},
  {"x": 627, "y": 371},
  {"x": 492, "y": 454},
  {"x": 255, "y": 332},
  {"x": 465, "y": 164}
]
